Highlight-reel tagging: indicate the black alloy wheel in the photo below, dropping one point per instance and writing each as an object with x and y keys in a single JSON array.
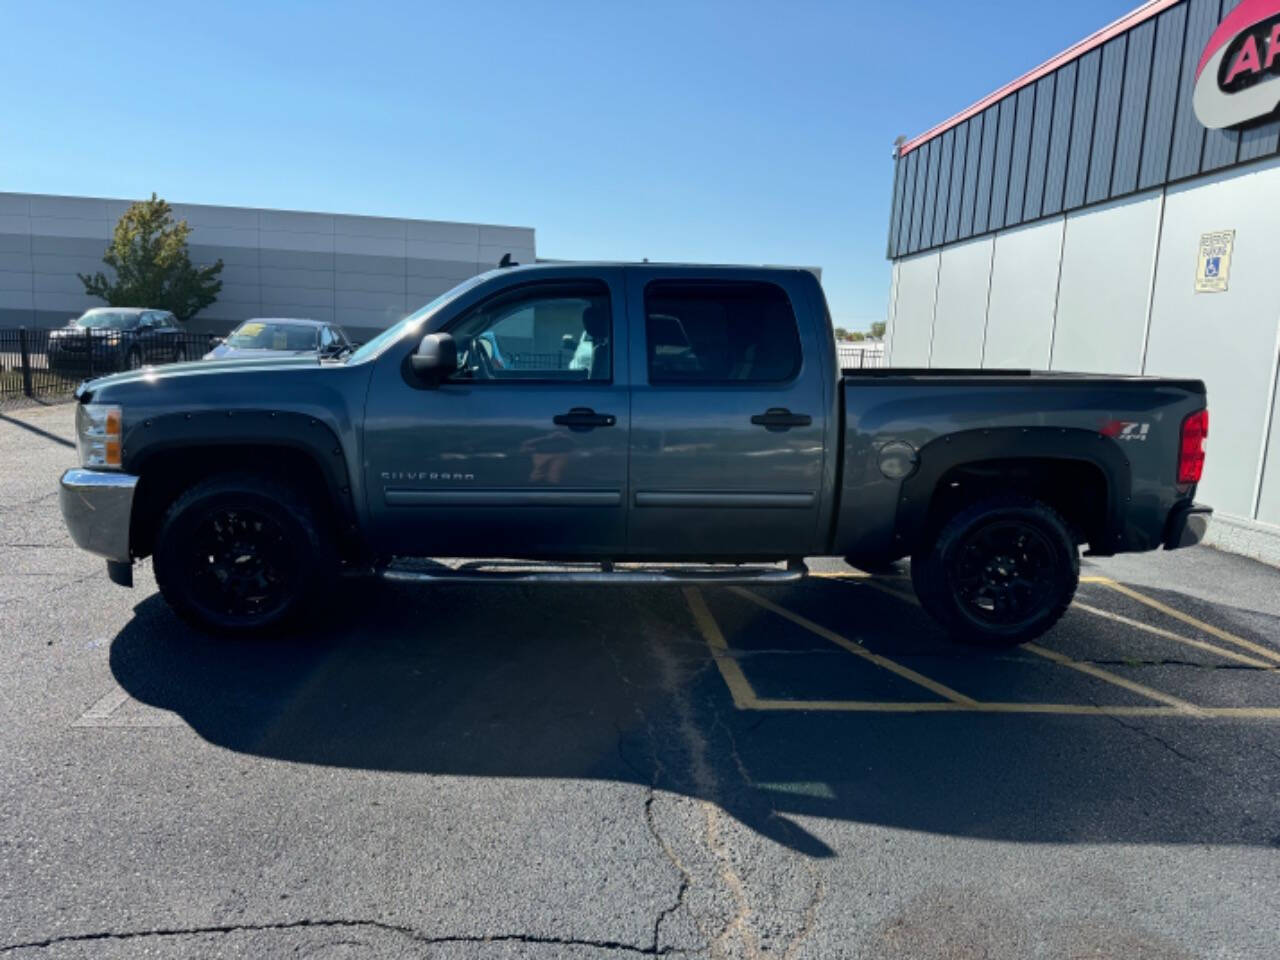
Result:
[
  {"x": 241, "y": 563},
  {"x": 243, "y": 553},
  {"x": 1003, "y": 572},
  {"x": 998, "y": 573}
]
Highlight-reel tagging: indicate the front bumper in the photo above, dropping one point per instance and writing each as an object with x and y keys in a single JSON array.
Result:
[
  {"x": 97, "y": 506},
  {"x": 1186, "y": 525}
]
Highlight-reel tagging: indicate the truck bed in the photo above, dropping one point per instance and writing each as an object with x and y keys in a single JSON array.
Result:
[{"x": 1018, "y": 376}]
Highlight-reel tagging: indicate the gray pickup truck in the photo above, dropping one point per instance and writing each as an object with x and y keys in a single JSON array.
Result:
[{"x": 619, "y": 424}]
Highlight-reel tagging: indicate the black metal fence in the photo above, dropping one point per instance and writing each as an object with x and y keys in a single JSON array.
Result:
[
  {"x": 50, "y": 364},
  {"x": 859, "y": 357}
]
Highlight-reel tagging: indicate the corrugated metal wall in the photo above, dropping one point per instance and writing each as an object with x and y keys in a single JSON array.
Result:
[
  {"x": 364, "y": 273},
  {"x": 1115, "y": 121},
  {"x": 1111, "y": 289}
]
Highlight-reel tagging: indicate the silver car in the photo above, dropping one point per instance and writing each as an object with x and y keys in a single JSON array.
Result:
[{"x": 275, "y": 336}]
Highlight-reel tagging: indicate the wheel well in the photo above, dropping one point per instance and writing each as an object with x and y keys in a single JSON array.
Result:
[
  {"x": 1077, "y": 489},
  {"x": 166, "y": 474}
]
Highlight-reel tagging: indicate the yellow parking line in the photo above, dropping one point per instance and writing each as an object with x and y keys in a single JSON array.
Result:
[
  {"x": 1097, "y": 672},
  {"x": 744, "y": 698},
  {"x": 1243, "y": 713},
  {"x": 905, "y": 672},
  {"x": 1088, "y": 668},
  {"x": 1170, "y": 635},
  {"x": 1040, "y": 709},
  {"x": 865, "y": 706},
  {"x": 1149, "y": 628},
  {"x": 1188, "y": 619}
]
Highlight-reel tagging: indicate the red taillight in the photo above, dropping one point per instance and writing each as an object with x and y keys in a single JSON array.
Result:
[{"x": 1191, "y": 447}]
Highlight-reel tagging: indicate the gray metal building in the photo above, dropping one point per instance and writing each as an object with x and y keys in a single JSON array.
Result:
[
  {"x": 361, "y": 272},
  {"x": 1114, "y": 210}
]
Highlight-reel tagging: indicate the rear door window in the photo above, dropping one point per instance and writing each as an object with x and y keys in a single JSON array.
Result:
[{"x": 720, "y": 332}]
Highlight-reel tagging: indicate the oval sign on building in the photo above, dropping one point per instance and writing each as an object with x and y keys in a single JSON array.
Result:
[{"x": 1238, "y": 78}]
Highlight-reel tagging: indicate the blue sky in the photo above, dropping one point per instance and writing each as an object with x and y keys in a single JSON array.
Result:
[{"x": 725, "y": 132}]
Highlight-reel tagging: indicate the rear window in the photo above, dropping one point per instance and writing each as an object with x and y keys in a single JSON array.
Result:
[{"x": 714, "y": 332}]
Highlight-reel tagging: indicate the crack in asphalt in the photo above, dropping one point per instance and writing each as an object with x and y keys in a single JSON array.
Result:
[
  {"x": 1143, "y": 731},
  {"x": 654, "y": 778},
  {"x": 816, "y": 898},
  {"x": 83, "y": 578},
  {"x": 416, "y": 936}
]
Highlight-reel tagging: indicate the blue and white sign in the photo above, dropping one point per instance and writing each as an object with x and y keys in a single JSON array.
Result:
[{"x": 1214, "y": 261}]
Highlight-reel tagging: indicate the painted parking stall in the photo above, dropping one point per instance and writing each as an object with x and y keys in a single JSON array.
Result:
[{"x": 925, "y": 675}]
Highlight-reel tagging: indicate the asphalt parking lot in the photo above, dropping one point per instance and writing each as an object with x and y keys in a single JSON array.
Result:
[{"x": 803, "y": 771}]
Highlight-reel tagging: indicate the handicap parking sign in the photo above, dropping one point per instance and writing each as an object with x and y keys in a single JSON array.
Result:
[{"x": 1213, "y": 262}]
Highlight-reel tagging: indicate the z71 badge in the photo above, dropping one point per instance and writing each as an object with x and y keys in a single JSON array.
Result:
[{"x": 1126, "y": 430}]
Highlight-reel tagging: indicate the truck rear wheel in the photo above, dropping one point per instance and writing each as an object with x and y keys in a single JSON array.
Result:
[
  {"x": 242, "y": 554},
  {"x": 1000, "y": 572}
]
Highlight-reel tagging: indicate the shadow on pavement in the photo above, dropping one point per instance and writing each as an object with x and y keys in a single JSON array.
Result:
[
  {"x": 617, "y": 684},
  {"x": 32, "y": 428}
]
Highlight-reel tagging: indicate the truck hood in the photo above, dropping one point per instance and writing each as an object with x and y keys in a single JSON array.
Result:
[{"x": 180, "y": 375}]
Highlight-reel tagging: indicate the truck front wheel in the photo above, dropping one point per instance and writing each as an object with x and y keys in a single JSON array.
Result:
[
  {"x": 242, "y": 554},
  {"x": 1000, "y": 572}
]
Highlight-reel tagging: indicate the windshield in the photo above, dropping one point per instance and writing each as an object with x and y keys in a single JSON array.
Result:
[
  {"x": 264, "y": 335},
  {"x": 415, "y": 319},
  {"x": 108, "y": 319}
]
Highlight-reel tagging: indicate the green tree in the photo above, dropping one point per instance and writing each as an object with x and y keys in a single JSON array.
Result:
[
  {"x": 877, "y": 329},
  {"x": 857, "y": 336},
  {"x": 148, "y": 253},
  {"x": 842, "y": 333}
]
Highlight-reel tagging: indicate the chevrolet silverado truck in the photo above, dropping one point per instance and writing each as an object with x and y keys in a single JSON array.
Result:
[{"x": 630, "y": 423}]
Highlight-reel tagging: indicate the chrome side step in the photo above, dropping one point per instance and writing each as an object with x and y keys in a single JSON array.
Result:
[{"x": 519, "y": 572}]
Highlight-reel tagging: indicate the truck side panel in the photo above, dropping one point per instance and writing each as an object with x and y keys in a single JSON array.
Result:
[{"x": 1125, "y": 430}]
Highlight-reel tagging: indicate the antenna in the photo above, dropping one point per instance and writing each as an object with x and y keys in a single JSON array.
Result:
[{"x": 506, "y": 261}]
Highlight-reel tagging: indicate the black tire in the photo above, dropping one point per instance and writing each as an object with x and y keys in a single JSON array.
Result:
[
  {"x": 133, "y": 359},
  {"x": 243, "y": 554},
  {"x": 179, "y": 354},
  {"x": 1000, "y": 572}
]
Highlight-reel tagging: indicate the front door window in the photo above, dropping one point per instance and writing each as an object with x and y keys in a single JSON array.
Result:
[{"x": 546, "y": 332}]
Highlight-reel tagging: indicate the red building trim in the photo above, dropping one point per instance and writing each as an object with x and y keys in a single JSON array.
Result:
[{"x": 1127, "y": 22}]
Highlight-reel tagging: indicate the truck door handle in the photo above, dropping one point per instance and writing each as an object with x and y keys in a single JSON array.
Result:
[
  {"x": 780, "y": 418},
  {"x": 584, "y": 418}
]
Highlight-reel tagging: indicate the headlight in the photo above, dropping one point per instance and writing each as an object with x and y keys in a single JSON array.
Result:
[
  {"x": 98, "y": 431},
  {"x": 112, "y": 338}
]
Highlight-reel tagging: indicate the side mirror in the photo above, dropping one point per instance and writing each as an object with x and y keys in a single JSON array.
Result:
[{"x": 436, "y": 357}]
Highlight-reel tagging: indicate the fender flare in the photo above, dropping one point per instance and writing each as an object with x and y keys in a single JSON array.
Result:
[
  {"x": 945, "y": 453},
  {"x": 269, "y": 429}
]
